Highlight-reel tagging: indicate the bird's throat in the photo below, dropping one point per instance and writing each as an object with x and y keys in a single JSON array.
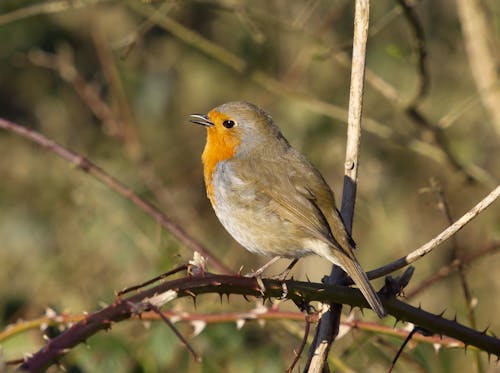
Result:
[{"x": 221, "y": 145}]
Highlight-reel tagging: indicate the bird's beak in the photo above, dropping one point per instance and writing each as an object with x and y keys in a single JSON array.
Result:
[{"x": 201, "y": 119}]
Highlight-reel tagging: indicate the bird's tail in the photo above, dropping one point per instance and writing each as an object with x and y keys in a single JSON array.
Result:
[{"x": 354, "y": 270}]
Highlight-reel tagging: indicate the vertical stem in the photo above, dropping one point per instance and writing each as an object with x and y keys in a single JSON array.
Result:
[
  {"x": 329, "y": 323},
  {"x": 361, "y": 20}
]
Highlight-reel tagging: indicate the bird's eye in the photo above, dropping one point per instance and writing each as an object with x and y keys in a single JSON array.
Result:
[{"x": 228, "y": 123}]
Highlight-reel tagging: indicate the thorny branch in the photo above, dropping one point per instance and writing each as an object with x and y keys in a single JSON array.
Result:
[{"x": 299, "y": 292}]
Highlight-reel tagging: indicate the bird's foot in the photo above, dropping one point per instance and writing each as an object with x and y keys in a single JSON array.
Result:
[{"x": 257, "y": 275}]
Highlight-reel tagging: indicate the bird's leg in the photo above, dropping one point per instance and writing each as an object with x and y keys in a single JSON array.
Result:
[
  {"x": 259, "y": 272},
  {"x": 283, "y": 275}
]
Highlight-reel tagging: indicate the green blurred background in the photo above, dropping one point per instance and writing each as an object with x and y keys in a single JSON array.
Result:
[{"x": 69, "y": 242}]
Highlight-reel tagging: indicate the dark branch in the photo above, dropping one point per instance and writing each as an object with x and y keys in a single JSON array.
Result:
[{"x": 222, "y": 284}]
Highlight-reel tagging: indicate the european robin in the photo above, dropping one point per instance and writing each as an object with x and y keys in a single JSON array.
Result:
[{"x": 269, "y": 197}]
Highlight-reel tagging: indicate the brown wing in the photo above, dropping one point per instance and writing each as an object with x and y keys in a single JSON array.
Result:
[
  {"x": 297, "y": 191},
  {"x": 317, "y": 191}
]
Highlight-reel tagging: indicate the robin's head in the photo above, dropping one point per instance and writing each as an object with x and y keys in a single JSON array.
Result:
[{"x": 236, "y": 128}]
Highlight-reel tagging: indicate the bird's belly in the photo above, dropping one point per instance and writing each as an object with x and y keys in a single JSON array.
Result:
[{"x": 253, "y": 224}]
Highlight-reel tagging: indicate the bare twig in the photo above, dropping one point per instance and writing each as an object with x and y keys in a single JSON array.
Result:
[
  {"x": 480, "y": 46},
  {"x": 302, "y": 345},
  {"x": 62, "y": 62},
  {"x": 176, "y": 332},
  {"x": 124, "y": 130},
  {"x": 329, "y": 323},
  {"x": 436, "y": 147},
  {"x": 46, "y": 7},
  {"x": 128, "y": 128},
  {"x": 447, "y": 270},
  {"x": 88, "y": 167},
  {"x": 436, "y": 134},
  {"x": 418, "y": 32},
  {"x": 129, "y": 41},
  {"x": 457, "y": 255},
  {"x": 438, "y": 240},
  {"x": 400, "y": 351}
]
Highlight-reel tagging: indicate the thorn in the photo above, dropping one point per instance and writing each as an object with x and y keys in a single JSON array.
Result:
[
  {"x": 442, "y": 313},
  {"x": 246, "y": 298},
  {"x": 220, "y": 296},
  {"x": 485, "y": 330},
  {"x": 176, "y": 332},
  {"x": 424, "y": 332},
  {"x": 107, "y": 325},
  {"x": 350, "y": 308}
]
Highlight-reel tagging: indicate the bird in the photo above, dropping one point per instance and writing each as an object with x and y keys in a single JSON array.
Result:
[{"x": 269, "y": 197}]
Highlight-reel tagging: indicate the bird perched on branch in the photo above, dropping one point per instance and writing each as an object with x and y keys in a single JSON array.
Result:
[{"x": 269, "y": 197}]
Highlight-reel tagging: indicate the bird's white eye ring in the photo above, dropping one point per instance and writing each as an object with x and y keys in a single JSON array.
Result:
[{"x": 228, "y": 123}]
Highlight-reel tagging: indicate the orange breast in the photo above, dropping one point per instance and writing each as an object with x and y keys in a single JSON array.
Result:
[{"x": 221, "y": 145}]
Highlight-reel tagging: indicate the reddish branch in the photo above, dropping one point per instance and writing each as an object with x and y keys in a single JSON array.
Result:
[
  {"x": 302, "y": 345},
  {"x": 240, "y": 318},
  {"x": 90, "y": 168}
]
